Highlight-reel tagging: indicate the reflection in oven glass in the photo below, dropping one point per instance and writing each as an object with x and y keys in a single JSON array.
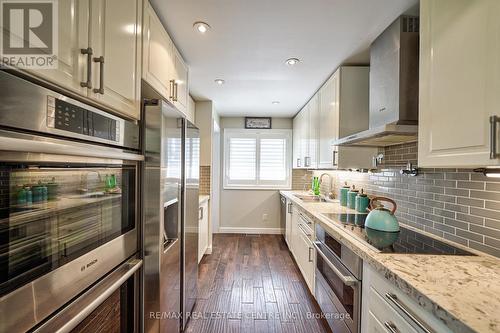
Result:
[
  {"x": 50, "y": 216},
  {"x": 344, "y": 293}
]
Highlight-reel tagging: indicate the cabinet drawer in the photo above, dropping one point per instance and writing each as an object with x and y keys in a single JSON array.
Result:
[
  {"x": 381, "y": 314},
  {"x": 391, "y": 294}
]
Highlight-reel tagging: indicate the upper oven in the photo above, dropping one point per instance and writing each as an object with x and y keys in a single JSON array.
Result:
[
  {"x": 69, "y": 199},
  {"x": 338, "y": 282}
]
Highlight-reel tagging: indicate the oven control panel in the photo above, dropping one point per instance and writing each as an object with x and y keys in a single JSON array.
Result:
[{"x": 69, "y": 117}]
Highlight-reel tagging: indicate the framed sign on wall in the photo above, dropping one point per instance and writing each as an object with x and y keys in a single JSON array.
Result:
[{"x": 258, "y": 122}]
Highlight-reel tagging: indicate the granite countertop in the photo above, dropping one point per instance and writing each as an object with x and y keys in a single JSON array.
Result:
[
  {"x": 462, "y": 291},
  {"x": 204, "y": 198}
]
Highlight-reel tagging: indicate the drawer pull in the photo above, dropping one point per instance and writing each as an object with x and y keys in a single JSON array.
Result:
[
  {"x": 494, "y": 120},
  {"x": 391, "y": 327},
  {"x": 304, "y": 231},
  {"x": 394, "y": 300}
]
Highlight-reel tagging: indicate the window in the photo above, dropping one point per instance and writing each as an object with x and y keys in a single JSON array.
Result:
[{"x": 257, "y": 158}]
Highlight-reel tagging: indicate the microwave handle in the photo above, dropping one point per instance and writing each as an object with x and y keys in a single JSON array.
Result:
[
  {"x": 348, "y": 280},
  {"x": 66, "y": 320}
]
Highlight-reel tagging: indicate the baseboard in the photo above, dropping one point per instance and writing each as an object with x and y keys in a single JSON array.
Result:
[
  {"x": 233, "y": 230},
  {"x": 208, "y": 250}
]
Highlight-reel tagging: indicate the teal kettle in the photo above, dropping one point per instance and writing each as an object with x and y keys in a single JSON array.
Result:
[{"x": 381, "y": 218}]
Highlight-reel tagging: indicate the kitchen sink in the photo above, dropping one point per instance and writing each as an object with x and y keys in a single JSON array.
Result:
[{"x": 309, "y": 198}]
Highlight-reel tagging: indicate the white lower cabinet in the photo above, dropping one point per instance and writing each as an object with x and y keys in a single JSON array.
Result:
[
  {"x": 385, "y": 308},
  {"x": 300, "y": 237},
  {"x": 288, "y": 222},
  {"x": 203, "y": 229}
]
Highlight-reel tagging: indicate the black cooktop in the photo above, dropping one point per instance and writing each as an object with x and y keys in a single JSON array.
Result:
[{"x": 404, "y": 241}]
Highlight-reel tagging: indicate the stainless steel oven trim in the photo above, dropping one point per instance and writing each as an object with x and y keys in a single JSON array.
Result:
[
  {"x": 68, "y": 318},
  {"x": 39, "y": 104},
  {"x": 30, "y": 304},
  {"x": 348, "y": 280},
  {"x": 16, "y": 143},
  {"x": 352, "y": 322}
]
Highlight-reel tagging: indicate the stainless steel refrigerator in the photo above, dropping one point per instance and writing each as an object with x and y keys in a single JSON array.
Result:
[{"x": 171, "y": 146}]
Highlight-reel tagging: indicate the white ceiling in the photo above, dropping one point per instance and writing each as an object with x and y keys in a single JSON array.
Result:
[{"x": 250, "y": 40}]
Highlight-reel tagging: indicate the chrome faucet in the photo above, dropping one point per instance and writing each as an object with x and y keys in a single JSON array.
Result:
[
  {"x": 84, "y": 181},
  {"x": 330, "y": 185}
]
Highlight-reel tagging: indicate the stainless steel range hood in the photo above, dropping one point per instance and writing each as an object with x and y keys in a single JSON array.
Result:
[{"x": 393, "y": 88}]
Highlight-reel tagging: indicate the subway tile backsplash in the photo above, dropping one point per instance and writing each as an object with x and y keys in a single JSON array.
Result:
[{"x": 455, "y": 204}]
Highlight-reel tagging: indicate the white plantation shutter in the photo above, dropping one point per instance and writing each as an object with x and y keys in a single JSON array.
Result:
[
  {"x": 257, "y": 159},
  {"x": 242, "y": 158},
  {"x": 273, "y": 159}
]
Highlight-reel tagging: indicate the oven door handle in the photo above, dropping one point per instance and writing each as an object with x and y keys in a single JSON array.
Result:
[
  {"x": 348, "y": 280},
  {"x": 67, "y": 320},
  {"x": 65, "y": 148}
]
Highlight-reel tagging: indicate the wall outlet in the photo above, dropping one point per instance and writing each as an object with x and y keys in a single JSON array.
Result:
[{"x": 265, "y": 217}]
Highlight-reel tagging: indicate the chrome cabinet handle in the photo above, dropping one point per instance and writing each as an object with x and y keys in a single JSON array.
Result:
[
  {"x": 311, "y": 248},
  {"x": 172, "y": 82},
  {"x": 307, "y": 161},
  {"x": 176, "y": 86},
  {"x": 334, "y": 153},
  {"x": 290, "y": 208},
  {"x": 304, "y": 231},
  {"x": 394, "y": 300},
  {"x": 494, "y": 120},
  {"x": 391, "y": 327},
  {"x": 299, "y": 163},
  {"x": 100, "y": 60},
  {"x": 87, "y": 84},
  {"x": 200, "y": 214},
  {"x": 348, "y": 280}
]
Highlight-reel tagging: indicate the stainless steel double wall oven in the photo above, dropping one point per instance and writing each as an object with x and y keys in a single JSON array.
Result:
[{"x": 69, "y": 176}]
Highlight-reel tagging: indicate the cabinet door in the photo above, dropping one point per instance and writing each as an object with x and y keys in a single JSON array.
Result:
[
  {"x": 297, "y": 151},
  {"x": 288, "y": 222},
  {"x": 180, "y": 77},
  {"x": 294, "y": 231},
  {"x": 115, "y": 36},
  {"x": 459, "y": 82},
  {"x": 313, "y": 137},
  {"x": 191, "y": 109},
  {"x": 304, "y": 136},
  {"x": 203, "y": 230},
  {"x": 73, "y": 35},
  {"x": 328, "y": 122},
  {"x": 158, "y": 63}
]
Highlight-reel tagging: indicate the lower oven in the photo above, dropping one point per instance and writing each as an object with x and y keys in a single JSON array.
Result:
[
  {"x": 338, "y": 283},
  {"x": 69, "y": 199}
]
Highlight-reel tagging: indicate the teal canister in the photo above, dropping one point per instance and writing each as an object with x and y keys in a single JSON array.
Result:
[
  {"x": 343, "y": 194},
  {"x": 351, "y": 197},
  {"x": 362, "y": 202}
]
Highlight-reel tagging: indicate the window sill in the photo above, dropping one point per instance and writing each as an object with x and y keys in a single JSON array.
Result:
[{"x": 257, "y": 188}]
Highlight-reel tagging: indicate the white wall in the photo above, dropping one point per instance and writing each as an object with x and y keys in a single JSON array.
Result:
[{"x": 242, "y": 211}]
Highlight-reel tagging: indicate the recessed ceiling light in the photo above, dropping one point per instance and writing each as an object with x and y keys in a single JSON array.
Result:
[
  {"x": 276, "y": 102},
  {"x": 201, "y": 27},
  {"x": 220, "y": 82},
  {"x": 292, "y": 61}
]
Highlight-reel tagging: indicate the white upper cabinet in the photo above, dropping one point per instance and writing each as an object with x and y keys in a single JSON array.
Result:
[
  {"x": 459, "y": 83},
  {"x": 180, "y": 77},
  {"x": 163, "y": 67},
  {"x": 73, "y": 35},
  {"x": 116, "y": 43},
  {"x": 99, "y": 53},
  {"x": 313, "y": 131},
  {"x": 158, "y": 58},
  {"x": 339, "y": 109},
  {"x": 328, "y": 115}
]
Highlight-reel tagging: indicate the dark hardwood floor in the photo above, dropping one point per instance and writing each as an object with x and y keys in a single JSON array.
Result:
[{"x": 250, "y": 283}]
